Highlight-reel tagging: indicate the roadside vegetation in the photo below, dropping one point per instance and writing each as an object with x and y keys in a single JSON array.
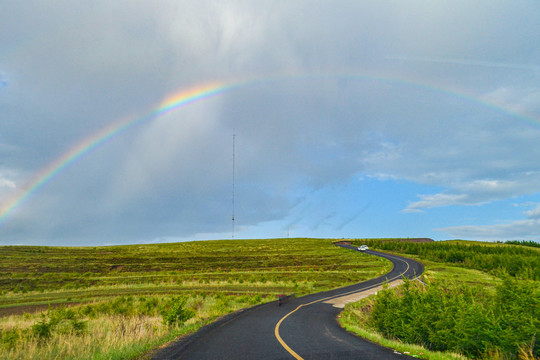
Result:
[
  {"x": 121, "y": 328},
  {"x": 477, "y": 300},
  {"x": 120, "y": 302}
]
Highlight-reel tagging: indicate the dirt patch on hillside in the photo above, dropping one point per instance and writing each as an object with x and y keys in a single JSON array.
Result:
[{"x": 342, "y": 243}]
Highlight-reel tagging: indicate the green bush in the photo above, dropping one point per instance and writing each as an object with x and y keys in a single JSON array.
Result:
[
  {"x": 466, "y": 319},
  {"x": 61, "y": 320},
  {"x": 122, "y": 305},
  {"x": 147, "y": 306},
  {"x": 174, "y": 311},
  {"x": 10, "y": 337},
  {"x": 43, "y": 328}
]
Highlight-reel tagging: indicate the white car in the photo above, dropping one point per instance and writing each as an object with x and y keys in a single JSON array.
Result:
[{"x": 363, "y": 248}]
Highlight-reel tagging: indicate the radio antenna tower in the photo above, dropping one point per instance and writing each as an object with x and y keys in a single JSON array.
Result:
[{"x": 233, "y": 179}]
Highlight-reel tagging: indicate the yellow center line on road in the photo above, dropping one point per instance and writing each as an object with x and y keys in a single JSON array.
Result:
[
  {"x": 283, "y": 343},
  {"x": 276, "y": 330}
]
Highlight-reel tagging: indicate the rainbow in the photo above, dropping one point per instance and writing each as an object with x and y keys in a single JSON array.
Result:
[
  {"x": 106, "y": 134},
  {"x": 201, "y": 93}
]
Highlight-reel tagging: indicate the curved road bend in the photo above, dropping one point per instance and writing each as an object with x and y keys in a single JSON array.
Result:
[{"x": 302, "y": 328}]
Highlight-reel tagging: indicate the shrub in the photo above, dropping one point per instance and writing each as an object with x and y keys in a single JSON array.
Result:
[
  {"x": 466, "y": 319},
  {"x": 10, "y": 337},
  {"x": 174, "y": 312},
  {"x": 61, "y": 319},
  {"x": 43, "y": 328},
  {"x": 147, "y": 306}
]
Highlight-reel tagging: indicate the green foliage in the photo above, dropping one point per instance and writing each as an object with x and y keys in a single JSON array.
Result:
[
  {"x": 114, "y": 333},
  {"x": 61, "y": 320},
  {"x": 465, "y": 319},
  {"x": 517, "y": 303},
  {"x": 147, "y": 306},
  {"x": 524, "y": 243},
  {"x": 43, "y": 328},
  {"x": 122, "y": 305},
  {"x": 9, "y": 338},
  {"x": 174, "y": 311},
  {"x": 497, "y": 259}
]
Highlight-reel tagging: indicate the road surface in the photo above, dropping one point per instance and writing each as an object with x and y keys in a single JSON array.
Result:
[{"x": 302, "y": 328}]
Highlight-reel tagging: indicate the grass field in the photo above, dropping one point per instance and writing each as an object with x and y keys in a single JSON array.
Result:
[
  {"x": 41, "y": 275},
  {"x": 115, "y": 295}
]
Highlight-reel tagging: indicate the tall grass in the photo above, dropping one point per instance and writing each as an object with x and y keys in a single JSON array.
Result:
[{"x": 113, "y": 330}]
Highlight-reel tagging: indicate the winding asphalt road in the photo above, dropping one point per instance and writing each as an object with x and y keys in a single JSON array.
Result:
[{"x": 302, "y": 328}]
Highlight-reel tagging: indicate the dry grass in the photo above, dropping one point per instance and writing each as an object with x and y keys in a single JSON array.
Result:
[{"x": 112, "y": 336}]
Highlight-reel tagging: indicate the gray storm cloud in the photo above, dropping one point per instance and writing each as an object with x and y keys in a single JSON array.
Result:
[{"x": 74, "y": 68}]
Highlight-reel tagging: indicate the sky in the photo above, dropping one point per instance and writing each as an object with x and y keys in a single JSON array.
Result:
[{"x": 125, "y": 122}]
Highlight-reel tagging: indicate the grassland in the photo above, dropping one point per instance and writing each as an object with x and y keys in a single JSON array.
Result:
[
  {"x": 115, "y": 295},
  {"x": 109, "y": 302},
  {"x": 41, "y": 275}
]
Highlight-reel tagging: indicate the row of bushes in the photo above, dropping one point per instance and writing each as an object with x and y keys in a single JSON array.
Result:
[{"x": 466, "y": 319}]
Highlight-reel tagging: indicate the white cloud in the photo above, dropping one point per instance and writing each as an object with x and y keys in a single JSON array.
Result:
[
  {"x": 480, "y": 191},
  {"x": 383, "y": 152},
  {"x": 518, "y": 230},
  {"x": 533, "y": 213},
  {"x": 525, "y": 229},
  {"x": 437, "y": 200},
  {"x": 7, "y": 183},
  {"x": 524, "y": 101}
]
